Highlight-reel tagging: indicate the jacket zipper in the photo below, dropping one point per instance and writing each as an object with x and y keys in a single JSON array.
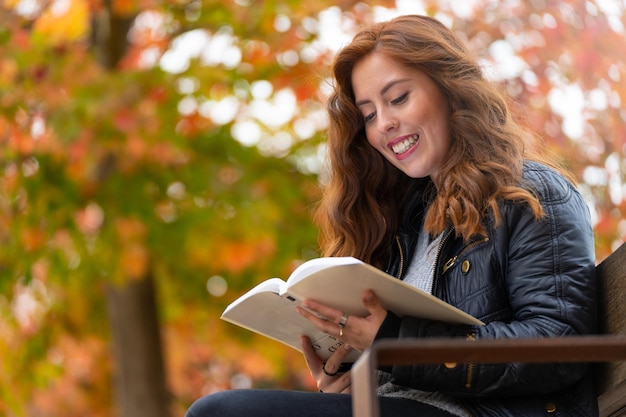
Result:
[
  {"x": 450, "y": 263},
  {"x": 401, "y": 267},
  {"x": 471, "y": 336},
  {"x": 436, "y": 275},
  {"x": 470, "y": 366},
  {"x": 443, "y": 241}
]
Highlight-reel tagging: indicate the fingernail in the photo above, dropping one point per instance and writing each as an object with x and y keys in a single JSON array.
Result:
[{"x": 347, "y": 346}]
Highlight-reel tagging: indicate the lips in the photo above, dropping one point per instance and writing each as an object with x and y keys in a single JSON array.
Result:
[{"x": 404, "y": 144}]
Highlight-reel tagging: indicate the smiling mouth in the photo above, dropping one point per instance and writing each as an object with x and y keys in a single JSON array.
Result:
[{"x": 404, "y": 145}]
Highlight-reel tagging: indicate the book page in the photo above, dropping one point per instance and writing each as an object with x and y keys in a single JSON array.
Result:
[
  {"x": 273, "y": 316},
  {"x": 342, "y": 287},
  {"x": 313, "y": 266},
  {"x": 272, "y": 285}
]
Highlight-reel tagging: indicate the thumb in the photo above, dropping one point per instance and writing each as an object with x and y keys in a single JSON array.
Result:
[
  {"x": 313, "y": 361},
  {"x": 372, "y": 303}
]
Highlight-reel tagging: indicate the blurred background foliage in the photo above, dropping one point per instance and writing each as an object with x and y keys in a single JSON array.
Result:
[{"x": 178, "y": 145}]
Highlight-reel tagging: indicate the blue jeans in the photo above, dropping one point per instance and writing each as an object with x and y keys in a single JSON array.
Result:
[{"x": 278, "y": 403}]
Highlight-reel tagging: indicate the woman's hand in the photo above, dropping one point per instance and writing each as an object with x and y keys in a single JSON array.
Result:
[
  {"x": 356, "y": 332},
  {"x": 326, "y": 374}
]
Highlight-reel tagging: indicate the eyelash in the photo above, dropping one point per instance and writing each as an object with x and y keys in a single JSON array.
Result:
[
  {"x": 394, "y": 102},
  {"x": 400, "y": 99}
]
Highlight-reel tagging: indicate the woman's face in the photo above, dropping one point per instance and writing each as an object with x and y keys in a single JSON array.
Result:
[{"x": 406, "y": 115}]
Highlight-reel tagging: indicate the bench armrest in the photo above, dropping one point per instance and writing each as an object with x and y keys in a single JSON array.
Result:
[{"x": 596, "y": 348}]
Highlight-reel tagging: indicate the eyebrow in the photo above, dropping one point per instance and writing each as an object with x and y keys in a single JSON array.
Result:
[{"x": 383, "y": 90}]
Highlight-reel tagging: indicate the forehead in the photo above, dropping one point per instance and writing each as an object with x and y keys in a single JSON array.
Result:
[{"x": 376, "y": 74}]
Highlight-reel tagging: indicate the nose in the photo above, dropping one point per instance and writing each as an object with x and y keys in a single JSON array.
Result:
[{"x": 386, "y": 123}]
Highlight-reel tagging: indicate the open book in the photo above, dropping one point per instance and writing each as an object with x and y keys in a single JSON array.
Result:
[{"x": 339, "y": 282}]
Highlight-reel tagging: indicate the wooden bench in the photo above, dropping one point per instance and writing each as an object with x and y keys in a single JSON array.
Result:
[{"x": 608, "y": 349}]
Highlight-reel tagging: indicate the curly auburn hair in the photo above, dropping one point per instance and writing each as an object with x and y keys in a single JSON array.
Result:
[{"x": 362, "y": 204}]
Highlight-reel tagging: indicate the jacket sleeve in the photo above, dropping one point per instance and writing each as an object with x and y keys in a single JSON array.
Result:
[{"x": 535, "y": 278}]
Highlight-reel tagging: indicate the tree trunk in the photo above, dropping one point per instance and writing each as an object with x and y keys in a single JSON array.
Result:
[{"x": 139, "y": 373}]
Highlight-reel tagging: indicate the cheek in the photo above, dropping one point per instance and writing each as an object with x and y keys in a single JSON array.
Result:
[{"x": 371, "y": 137}]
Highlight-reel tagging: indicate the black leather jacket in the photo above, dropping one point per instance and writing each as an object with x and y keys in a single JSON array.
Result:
[{"x": 527, "y": 278}]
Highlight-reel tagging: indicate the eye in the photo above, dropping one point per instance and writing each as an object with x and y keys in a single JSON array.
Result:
[
  {"x": 400, "y": 99},
  {"x": 369, "y": 117}
]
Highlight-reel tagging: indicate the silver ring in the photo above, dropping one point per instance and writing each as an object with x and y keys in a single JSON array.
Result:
[
  {"x": 343, "y": 320},
  {"x": 328, "y": 373}
]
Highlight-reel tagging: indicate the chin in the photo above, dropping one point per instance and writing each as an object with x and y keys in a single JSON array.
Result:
[{"x": 417, "y": 174}]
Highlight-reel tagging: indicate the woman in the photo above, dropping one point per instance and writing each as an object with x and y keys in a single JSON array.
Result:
[{"x": 430, "y": 181}]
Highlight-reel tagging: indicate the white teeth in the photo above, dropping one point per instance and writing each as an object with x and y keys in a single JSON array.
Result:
[{"x": 405, "y": 145}]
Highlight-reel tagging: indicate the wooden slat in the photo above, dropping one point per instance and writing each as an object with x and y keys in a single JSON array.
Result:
[
  {"x": 565, "y": 349},
  {"x": 612, "y": 309},
  {"x": 612, "y": 403}
]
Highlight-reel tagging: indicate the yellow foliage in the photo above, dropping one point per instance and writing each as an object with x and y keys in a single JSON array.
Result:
[
  {"x": 59, "y": 24},
  {"x": 8, "y": 72},
  {"x": 11, "y": 4},
  {"x": 134, "y": 259}
]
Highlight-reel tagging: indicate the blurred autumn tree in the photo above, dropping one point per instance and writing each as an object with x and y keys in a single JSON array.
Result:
[
  {"x": 148, "y": 149},
  {"x": 117, "y": 174}
]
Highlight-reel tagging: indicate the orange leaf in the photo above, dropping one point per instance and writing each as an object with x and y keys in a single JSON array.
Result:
[
  {"x": 129, "y": 229},
  {"x": 134, "y": 261},
  {"x": 32, "y": 239}
]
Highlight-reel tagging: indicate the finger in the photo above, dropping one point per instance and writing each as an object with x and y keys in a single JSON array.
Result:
[
  {"x": 347, "y": 389},
  {"x": 324, "y": 312},
  {"x": 313, "y": 362},
  {"x": 324, "y": 324},
  {"x": 373, "y": 305},
  {"x": 340, "y": 384},
  {"x": 336, "y": 384},
  {"x": 333, "y": 365},
  {"x": 341, "y": 353}
]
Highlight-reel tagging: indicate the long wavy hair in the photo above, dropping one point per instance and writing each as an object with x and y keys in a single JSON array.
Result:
[{"x": 362, "y": 204}]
